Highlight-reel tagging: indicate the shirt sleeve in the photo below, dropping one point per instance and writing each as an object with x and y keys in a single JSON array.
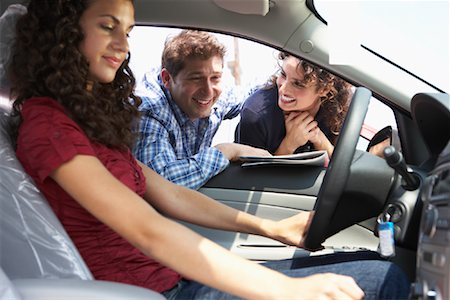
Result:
[
  {"x": 48, "y": 138},
  {"x": 154, "y": 148}
]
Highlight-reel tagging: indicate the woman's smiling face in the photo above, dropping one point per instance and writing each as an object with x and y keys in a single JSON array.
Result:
[{"x": 293, "y": 93}]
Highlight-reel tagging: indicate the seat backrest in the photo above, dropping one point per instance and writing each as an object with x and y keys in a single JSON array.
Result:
[
  {"x": 34, "y": 247},
  {"x": 33, "y": 243},
  {"x": 7, "y": 32}
]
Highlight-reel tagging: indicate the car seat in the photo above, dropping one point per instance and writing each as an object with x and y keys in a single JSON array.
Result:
[
  {"x": 37, "y": 258},
  {"x": 36, "y": 254}
]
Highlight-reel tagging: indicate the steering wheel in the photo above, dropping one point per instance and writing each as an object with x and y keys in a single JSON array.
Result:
[{"x": 338, "y": 170}]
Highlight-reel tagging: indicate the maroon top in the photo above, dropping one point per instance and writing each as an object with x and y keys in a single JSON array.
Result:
[{"x": 47, "y": 139}]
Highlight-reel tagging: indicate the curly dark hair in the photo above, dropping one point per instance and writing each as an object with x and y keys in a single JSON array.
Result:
[
  {"x": 336, "y": 102},
  {"x": 46, "y": 61},
  {"x": 189, "y": 44}
]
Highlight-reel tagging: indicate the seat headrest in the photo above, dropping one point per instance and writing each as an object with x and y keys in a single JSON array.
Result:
[{"x": 7, "y": 33}]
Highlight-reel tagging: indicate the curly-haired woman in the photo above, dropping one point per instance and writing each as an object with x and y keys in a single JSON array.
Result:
[
  {"x": 76, "y": 109},
  {"x": 301, "y": 109}
]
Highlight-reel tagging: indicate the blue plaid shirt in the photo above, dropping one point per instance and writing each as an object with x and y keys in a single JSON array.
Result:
[{"x": 173, "y": 145}]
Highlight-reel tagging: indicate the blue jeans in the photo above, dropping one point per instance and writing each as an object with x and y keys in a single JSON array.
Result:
[{"x": 378, "y": 279}]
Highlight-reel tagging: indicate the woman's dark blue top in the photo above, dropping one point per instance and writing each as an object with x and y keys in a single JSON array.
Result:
[{"x": 262, "y": 122}]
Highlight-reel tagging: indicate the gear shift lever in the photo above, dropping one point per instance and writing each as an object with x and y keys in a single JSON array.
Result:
[{"x": 395, "y": 161}]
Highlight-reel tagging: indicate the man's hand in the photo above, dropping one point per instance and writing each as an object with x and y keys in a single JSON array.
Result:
[{"x": 233, "y": 151}]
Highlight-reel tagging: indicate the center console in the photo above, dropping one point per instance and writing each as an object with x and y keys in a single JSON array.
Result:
[{"x": 433, "y": 253}]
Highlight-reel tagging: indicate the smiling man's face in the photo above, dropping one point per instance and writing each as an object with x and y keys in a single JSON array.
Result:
[{"x": 197, "y": 86}]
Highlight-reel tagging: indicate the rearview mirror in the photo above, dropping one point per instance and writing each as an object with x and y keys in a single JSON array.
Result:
[{"x": 380, "y": 140}]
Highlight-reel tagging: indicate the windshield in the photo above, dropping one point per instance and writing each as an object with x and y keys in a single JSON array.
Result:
[{"x": 412, "y": 34}]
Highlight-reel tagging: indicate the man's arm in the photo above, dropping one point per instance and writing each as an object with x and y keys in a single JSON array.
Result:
[{"x": 156, "y": 150}]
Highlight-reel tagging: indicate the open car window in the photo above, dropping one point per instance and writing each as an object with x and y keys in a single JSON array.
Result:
[{"x": 247, "y": 64}]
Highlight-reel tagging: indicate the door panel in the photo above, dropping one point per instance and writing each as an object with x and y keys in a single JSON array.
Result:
[
  {"x": 275, "y": 206},
  {"x": 277, "y": 192}
]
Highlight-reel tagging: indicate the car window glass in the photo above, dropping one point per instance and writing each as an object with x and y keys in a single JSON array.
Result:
[
  {"x": 412, "y": 34},
  {"x": 378, "y": 116}
]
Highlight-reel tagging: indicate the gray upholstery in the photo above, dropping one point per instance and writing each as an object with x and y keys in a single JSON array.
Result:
[
  {"x": 38, "y": 289},
  {"x": 33, "y": 244},
  {"x": 7, "y": 25},
  {"x": 7, "y": 290}
]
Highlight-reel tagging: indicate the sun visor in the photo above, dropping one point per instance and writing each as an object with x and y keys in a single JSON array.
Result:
[{"x": 246, "y": 7}]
